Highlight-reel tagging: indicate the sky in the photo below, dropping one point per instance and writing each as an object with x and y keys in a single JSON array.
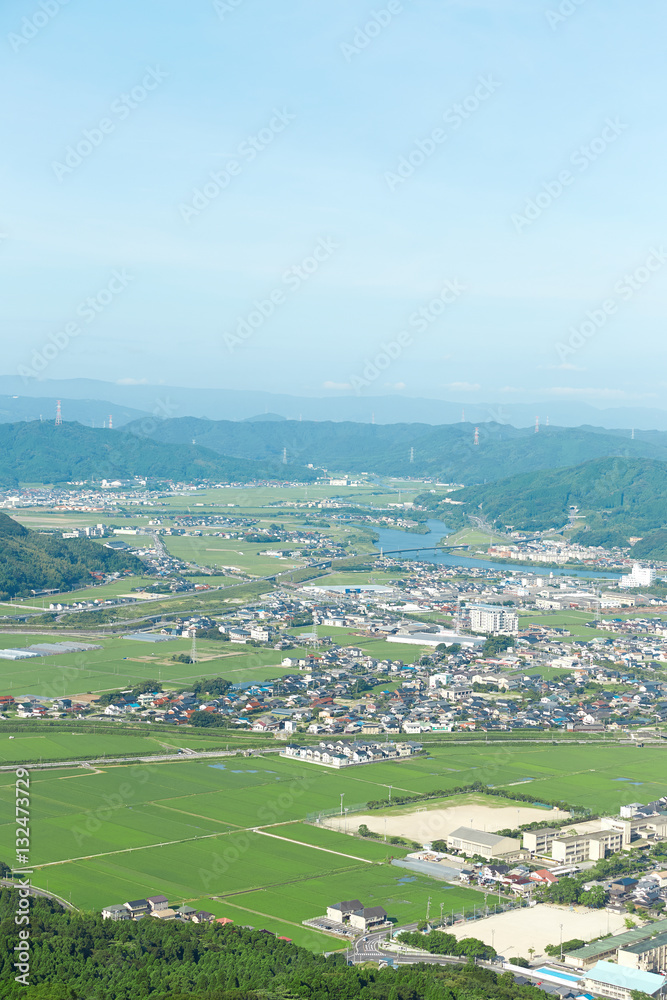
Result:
[{"x": 455, "y": 199}]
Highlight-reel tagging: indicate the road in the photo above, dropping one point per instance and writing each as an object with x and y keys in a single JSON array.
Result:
[
  {"x": 152, "y": 759},
  {"x": 32, "y": 891},
  {"x": 207, "y": 754},
  {"x": 366, "y": 949}
]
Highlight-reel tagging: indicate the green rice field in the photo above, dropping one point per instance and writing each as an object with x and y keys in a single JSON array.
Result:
[
  {"x": 232, "y": 833},
  {"x": 121, "y": 663}
]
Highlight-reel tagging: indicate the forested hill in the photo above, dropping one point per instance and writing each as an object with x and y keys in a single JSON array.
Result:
[
  {"x": 446, "y": 451},
  {"x": 30, "y": 561},
  {"x": 619, "y": 498},
  {"x": 39, "y": 452},
  {"x": 82, "y": 957}
]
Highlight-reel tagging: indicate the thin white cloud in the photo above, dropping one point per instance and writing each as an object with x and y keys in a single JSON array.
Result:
[
  {"x": 337, "y": 386},
  {"x": 132, "y": 381},
  {"x": 566, "y": 366},
  {"x": 398, "y": 386},
  {"x": 463, "y": 386}
]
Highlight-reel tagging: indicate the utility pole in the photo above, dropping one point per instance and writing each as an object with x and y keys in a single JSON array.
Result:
[{"x": 342, "y": 795}]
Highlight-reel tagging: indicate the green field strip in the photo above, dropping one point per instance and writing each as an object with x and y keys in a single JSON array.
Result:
[
  {"x": 163, "y": 805},
  {"x": 313, "y": 847}
]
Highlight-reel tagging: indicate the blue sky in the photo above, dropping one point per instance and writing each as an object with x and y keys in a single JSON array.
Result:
[{"x": 366, "y": 155}]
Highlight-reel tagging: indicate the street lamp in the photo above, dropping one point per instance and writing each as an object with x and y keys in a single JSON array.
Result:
[{"x": 561, "y": 942}]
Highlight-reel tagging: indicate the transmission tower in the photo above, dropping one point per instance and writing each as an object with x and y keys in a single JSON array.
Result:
[
  {"x": 537, "y": 425},
  {"x": 284, "y": 456},
  {"x": 59, "y": 416},
  {"x": 476, "y": 438},
  {"x": 193, "y": 651},
  {"x": 110, "y": 422},
  {"x": 412, "y": 455}
]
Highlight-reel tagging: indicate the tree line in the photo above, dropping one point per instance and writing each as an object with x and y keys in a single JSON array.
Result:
[{"x": 82, "y": 957}]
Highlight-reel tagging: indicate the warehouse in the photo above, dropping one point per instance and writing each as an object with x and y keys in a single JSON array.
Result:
[{"x": 487, "y": 845}]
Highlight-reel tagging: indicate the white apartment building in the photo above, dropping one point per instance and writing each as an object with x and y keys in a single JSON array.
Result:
[
  {"x": 493, "y": 618},
  {"x": 641, "y": 576}
]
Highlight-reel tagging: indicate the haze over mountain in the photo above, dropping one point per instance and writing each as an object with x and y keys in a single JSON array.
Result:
[
  {"x": 39, "y": 452},
  {"x": 164, "y": 401},
  {"x": 33, "y": 561},
  {"x": 608, "y": 500},
  {"x": 445, "y": 452}
]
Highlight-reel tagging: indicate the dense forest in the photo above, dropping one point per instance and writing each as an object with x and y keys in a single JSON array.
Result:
[
  {"x": 30, "y": 561},
  {"x": 620, "y": 498},
  {"x": 82, "y": 957},
  {"x": 446, "y": 451},
  {"x": 39, "y": 452}
]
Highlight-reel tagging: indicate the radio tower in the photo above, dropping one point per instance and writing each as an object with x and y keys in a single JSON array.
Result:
[
  {"x": 110, "y": 422},
  {"x": 537, "y": 425},
  {"x": 59, "y": 416},
  {"x": 476, "y": 439}
]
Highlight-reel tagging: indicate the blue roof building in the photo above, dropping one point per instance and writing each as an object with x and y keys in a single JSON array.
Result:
[{"x": 607, "y": 979}]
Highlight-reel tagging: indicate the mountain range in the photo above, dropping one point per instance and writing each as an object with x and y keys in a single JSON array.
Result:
[
  {"x": 33, "y": 561},
  {"x": 239, "y": 404},
  {"x": 446, "y": 452},
  {"x": 40, "y": 452}
]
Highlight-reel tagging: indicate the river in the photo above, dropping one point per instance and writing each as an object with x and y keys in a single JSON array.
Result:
[{"x": 395, "y": 542}]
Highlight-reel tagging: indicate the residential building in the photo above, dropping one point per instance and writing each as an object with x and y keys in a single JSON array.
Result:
[
  {"x": 370, "y": 916},
  {"x": 493, "y": 618}
]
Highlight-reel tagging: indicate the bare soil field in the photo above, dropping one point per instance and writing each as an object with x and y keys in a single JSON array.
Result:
[
  {"x": 514, "y": 932},
  {"x": 434, "y": 822}
]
